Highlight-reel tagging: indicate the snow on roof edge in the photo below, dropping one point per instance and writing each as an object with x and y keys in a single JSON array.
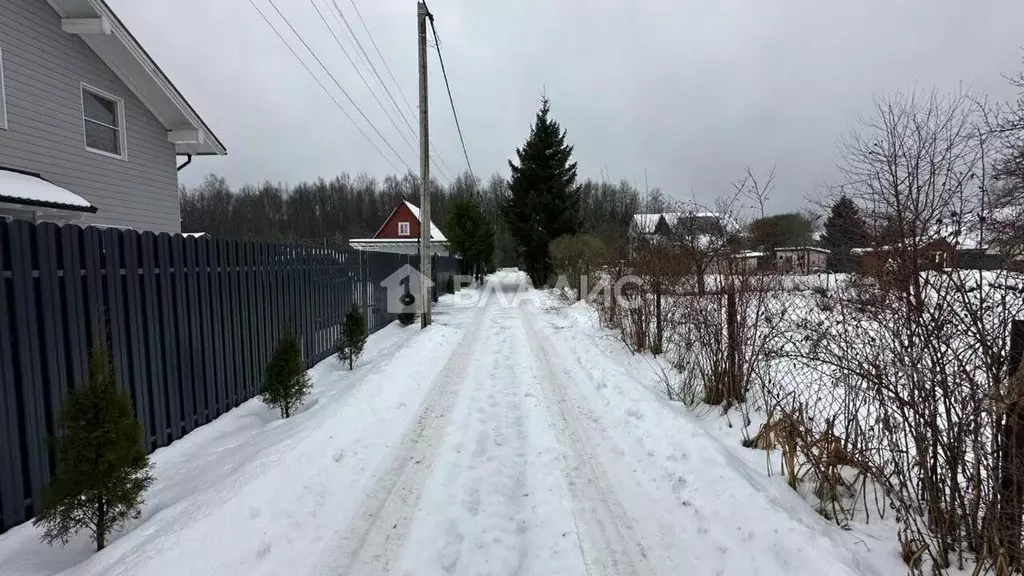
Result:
[
  {"x": 17, "y": 187},
  {"x": 435, "y": 232}
]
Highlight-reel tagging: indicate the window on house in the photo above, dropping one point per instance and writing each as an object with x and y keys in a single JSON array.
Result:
[
  {"x": 403, "y": 228},
  {"x": 3, "y": 94},
  {"x": 103, "y": 116}
]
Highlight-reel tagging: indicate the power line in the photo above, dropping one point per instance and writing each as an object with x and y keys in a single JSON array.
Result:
[
  {"x": 412, "y": 111},
  {"x": 383, "y": 84},
  {"x": 437, "y": 44},
  {"x": 324, "y": 88},
  {"x": 361, "y": 77},
  {"x": 341, "y": 16},
  {"x": 338, "y": 14},
  {"x": 338, "y": 84}
]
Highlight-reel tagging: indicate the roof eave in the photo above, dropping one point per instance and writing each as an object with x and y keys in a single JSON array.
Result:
[{"x": 209, "y": 144}]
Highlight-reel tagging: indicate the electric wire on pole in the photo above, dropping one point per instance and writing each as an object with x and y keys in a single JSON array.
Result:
[
  {"x": 324, "y": 88},
  {"x": 458, "y": 127},
  {"x": 338, "y": 84},
  {"x": 391, "y": 75},
  {"x": 366, "y": 83}
]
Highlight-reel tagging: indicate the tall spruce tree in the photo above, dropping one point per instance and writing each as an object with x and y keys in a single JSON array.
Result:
[
  {"x": 544, "y": 199},
  {"x": 102, "y": 471},
  {"x": 845, "y": 229}
]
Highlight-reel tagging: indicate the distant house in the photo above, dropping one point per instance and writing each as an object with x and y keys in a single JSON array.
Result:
[
  {"x": 750, "y": 260},
  {"x": 400, "y": 234},
  {"x": 800, "y": 260},
  {"x": 694, "y": 227},
  {"x": 935, "y": 254},
  {"x": 649, "y": 228},
  {"x": 90, "y": 127}
]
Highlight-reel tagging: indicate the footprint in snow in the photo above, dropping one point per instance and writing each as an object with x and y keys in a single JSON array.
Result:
[
  {"x": 471, "y": 502},
  {"x": 452, "y": 549},
  {"x": 263, "y": 550}
]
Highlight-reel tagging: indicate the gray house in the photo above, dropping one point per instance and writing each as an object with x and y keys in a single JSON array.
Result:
[{"x": 90, "y": 128}]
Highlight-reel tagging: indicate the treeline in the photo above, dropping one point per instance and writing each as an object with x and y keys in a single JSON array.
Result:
[{"x": 330, "y": 212}]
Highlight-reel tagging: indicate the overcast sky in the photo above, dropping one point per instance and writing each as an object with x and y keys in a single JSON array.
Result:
[{"x": 691, "y": 91}]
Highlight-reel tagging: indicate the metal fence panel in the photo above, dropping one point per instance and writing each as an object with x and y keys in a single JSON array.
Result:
[{"x": 190, "y": 324}]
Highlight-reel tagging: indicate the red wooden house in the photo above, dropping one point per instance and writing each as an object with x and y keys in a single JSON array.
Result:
[{"x": 400, "y": 234}]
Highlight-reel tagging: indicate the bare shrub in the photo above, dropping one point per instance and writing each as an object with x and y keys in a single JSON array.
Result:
[{"x": 576, "y": 257}]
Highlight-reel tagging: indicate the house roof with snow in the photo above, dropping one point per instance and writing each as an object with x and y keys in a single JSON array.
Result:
[
  {"x": 100, "y": 28},
  {"x": 803, "y": 249},
  {"x": 435, "y": 232},
  {"x": 31, "y": 190},
  {"x": 407, "y": 240},
  {"x": 646, "y": 223}
]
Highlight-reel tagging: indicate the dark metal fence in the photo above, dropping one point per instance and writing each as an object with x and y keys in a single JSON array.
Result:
[{"x": 190, "y": 324}]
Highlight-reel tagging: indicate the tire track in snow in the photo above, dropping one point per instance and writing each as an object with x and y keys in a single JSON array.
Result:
[
  {"x": 607, "y": 538},
  {"x": 373, "y": 542}
]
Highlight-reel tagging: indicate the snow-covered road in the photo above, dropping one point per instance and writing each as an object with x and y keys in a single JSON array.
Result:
[{"x": 509, "y": 438}]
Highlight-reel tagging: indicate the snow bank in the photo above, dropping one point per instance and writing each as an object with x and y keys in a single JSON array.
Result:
[
  {"x": 691, "y": 474},
  {"x": 253, "y": 494}
]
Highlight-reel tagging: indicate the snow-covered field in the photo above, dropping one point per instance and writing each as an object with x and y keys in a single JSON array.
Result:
[{"x": 514, "y": 436}]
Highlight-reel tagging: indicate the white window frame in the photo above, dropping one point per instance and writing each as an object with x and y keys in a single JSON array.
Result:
[
  {"x": 3, "y": 94},
  {"x": 121, "y": 128},
  {"x": 404, "y": 226}
]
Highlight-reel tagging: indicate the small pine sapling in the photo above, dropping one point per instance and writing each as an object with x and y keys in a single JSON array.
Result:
[
  {"x": 353, "y": 336},
  {"x": 102, "y": 471},
  {"x": 287, "y": 384}
]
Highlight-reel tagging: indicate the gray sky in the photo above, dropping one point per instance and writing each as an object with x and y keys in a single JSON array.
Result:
[{"x": 690, "y": 90}]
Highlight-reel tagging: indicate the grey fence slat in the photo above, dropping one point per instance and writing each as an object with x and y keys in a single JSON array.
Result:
[
  {"x": 235, "y": 341},
  {"x": 238, "y": 336},
  {"x": 214, "y": 385},
  {"x": 253, "y": 313},
  {"x": 184, "y": 282},
  {"x": 92, "y": 283},
  {"x": 245, "y": 315},
  {"x": 154, "y": 345},
  {"x": 114, "y": 304},
  {"x": 133, "y": 342},
  {"x": 12, "y": 485},
  {"x": 74, "y": 305},
  {"x": 215, "y": 342},
  {"x": 302, "y": 302},
  {"x": 29, "y": 374},
  {"x": 230, "y": 338},
  {"x": 257, "y": 313},
  {"x": 168, "y": 327},
  {"x": 277, "y": 268},
  {"x": 221, "y": 343},
  {"x": 200, "y": 314},
  {"x": 51, "y": 322}
]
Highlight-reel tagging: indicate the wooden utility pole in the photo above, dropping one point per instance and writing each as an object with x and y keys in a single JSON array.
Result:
[{"x": 425, "y": 300}]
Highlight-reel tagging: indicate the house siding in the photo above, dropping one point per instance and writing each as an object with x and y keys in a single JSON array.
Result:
[
  {"x": 44, "y": 69},
  {"x": 401, "y": 214}
]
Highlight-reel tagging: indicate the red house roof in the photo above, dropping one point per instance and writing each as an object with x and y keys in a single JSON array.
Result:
[{"x": 406, "y": 212}]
